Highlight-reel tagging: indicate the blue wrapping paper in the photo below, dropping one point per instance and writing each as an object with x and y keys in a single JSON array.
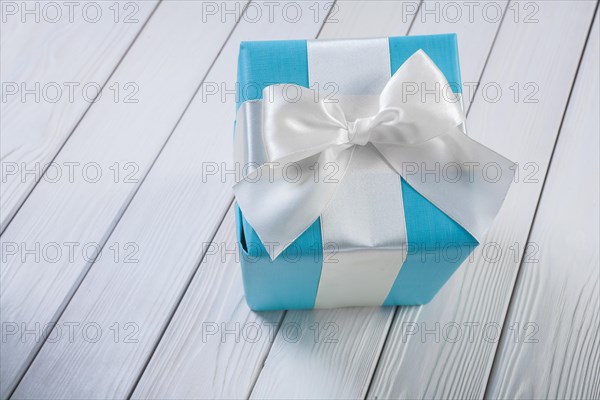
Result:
[{"x": 436, "y": 244}]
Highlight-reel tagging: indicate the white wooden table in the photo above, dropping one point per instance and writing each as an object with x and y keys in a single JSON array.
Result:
[{"x": 110, "y": 113}]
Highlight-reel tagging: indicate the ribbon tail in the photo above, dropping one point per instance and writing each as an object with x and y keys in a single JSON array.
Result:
[
  {"x": 282, "y": 201},
  {"x": 460, "y": 176}
]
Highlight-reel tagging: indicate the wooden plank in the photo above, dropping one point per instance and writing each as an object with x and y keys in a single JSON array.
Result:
[
  {"x": 170, "y": 219},
  {"x": 344, "y": 369},
  {"x": 51, "y": 241},
  {"x": 446, "y": 348},
  {"x": 46, "y": 50},
  {"x": 215, "y": 346},
  {"x": 376, "y": 18},
  {"x": 338, "y": 363},
  {"x": 476, "y": 25},
  {"x": 552, "y": 346}
]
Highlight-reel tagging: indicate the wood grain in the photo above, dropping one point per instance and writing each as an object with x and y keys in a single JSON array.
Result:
[
  {"x": 61, "y": 48},
  {"x": 476, "y": 298},
  {"x": 344, "y": 370},
  {"x": 551, "y": 348},
  {"x": 156, "y": 296},
  {"x": 377, "y": 18},
  {"x": 215, "y": 346},
  {"x": 113, "y": 147},
  {"x": 336, "y": 364},
  {"x": 476, "y": 26},
  {"x": 176, "y": 211}
]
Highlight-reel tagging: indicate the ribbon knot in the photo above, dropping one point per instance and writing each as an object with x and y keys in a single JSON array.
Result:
[
  {"x": 359, "y": 131},
  {"x": 421, "y": 131}
]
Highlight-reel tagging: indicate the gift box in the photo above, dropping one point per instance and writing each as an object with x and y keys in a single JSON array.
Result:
[{"x": 380, "y": 232}]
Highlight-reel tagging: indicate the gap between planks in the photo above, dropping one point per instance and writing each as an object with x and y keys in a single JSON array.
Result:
[
  {"x": 13, "y": 378},
  {"x": 13, "y": 209},
  {"x": 93, "y": 272},
  {"x": 439, "y": 373},
  {"x": 494, "y": 389}
]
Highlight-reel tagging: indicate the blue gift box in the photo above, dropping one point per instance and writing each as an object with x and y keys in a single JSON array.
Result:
[{"x": 437, "y": 245}]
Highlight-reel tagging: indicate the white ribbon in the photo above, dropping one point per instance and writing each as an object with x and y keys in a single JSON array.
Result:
[{"x": 305, "y": 138}]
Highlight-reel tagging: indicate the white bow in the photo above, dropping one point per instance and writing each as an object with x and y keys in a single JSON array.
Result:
[{"x": 308, "y": 143}]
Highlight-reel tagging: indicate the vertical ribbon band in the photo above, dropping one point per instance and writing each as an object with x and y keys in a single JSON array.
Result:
[{"x": 363, "y": 228}]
